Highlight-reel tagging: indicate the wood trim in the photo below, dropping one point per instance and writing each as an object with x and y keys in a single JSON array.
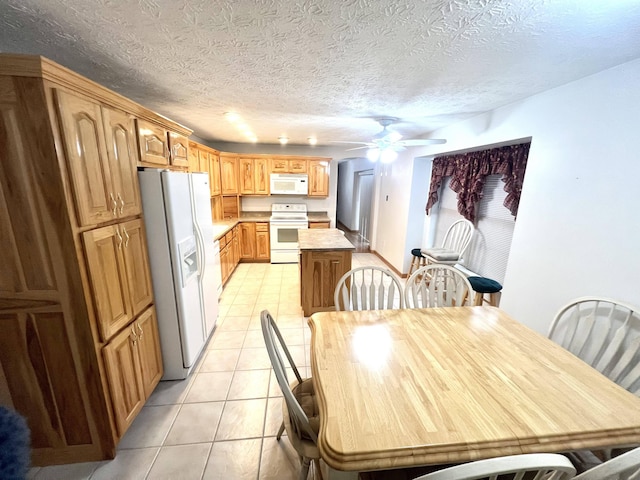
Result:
[{"x": 386, "y": 262}]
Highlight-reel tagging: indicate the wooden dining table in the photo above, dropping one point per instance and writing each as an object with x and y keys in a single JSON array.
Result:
[{"x": 410, "y": 387}]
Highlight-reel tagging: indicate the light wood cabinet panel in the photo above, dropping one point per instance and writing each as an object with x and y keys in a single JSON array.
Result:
[
  {"x": 108, "y": 276},
  {"x": 149, "y": 351},
  {"x": 121, "y": 151},
  {"x": 153, "y": 143},
  {"x": 261, "y": 176},
  {"x": 263, "y": 247},
  {"x": 123, "y": 366},
  {"x": 319, "y": 224},
  {"x": 203, "y": 161},
  {"x": 216, "y": 208},
  {"x": 194, "y": 157},
  {"x": 247, "y": 240},
  {"x": 179, "y": 149},
  {"x": 279, "y": 165},
  {"x": 83, "y": 136},
  {"x": 320, "y": 272},
  {"x": 136, "y": 262},
  {"x": 235, "y": 248},
  {"x": 297, "y": 165},
  {"x": 214, "y": 174},
  {"x": 247, "y": 176},
  {"x": 318, "y": 178},
  {"x": 230, "y": 208},
  {"x": 229, "y": 174}
]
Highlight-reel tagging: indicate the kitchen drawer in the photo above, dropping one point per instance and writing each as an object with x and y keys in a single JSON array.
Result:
[
  {"x": 262, "y": 227},
  {"x": 229, "y": 237},
  {"x": 223, "y": 241}
]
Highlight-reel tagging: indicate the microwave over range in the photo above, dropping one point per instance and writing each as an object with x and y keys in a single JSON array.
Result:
[{"x": 289, "y": 184}]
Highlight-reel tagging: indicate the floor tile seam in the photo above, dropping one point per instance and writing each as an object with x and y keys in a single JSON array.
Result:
[{"x": 206, "y": 463}]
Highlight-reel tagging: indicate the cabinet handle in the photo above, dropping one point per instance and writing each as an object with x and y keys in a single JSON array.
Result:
[
  {"x": 126, "y": 236},
  {"x": 121, "y": 204},
  {"x": 119, "y": 238},
  {"x": 134, "y": 335},
  {"x": 140, "y": 330},
  {"x": 114, "y": 210}
]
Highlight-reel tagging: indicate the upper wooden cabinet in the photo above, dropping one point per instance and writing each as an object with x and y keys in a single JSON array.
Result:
[
  {"x": 153, "y": 141},
  {"x": 121, "y": 151},
  {"x": 229, "y": 173},
  {"x": 101, "y": 152},
  {"x": 288, "y": 165},
  {"x": 318, "y": 178},
  {"x": 119, "y": 274},
  {"x": 214, "y": 174},
  {"x": 193, "y": 157},
  {"x": 254, "y": 176},
  {"x": 178, "y": 150}
]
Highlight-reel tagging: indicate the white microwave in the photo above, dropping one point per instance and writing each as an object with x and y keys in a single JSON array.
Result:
[{"x": 289, "y": 184}]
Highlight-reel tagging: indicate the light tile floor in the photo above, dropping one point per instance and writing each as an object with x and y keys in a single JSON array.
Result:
[{"x": 221, "y": 422}]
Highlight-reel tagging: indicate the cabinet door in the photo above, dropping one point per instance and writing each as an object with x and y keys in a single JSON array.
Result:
[
  {"x": 247, "y": 240},
  {"x": 194, "y": 158},
  {"x": 318, "y": 178},
  {"x": 279, "y": 165},
  {"x": 203, "y": 161},
  {"x": 214, "y": 174},
  {"x": 229, "y": 175},
  {"x": 152, "y": 139},
  {"x": 108, "y": 277},
  {"x": 320, "y": 274},
  {"x": 83, "y": 137},
  {"x": 122, "y": 366},
  {"x": 136, "y": 262},
  {"x": 263, "y": 249},
  {"x": 149, "y": 351},
  {"x": 261, "y": 176},
  {"x": 179, "y": 149},
  {"x": 224, "y": 263},
  {"x": 319, "y": 224},
  {"x": 235, "y": 248},
  {"x": 121, "y": 151},
  {"x": 298, "y": 165},
  {"x": 247, "y": 176}
]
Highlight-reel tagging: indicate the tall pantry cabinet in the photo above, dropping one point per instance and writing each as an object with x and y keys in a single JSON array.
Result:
[{"x": 79, "y": 348}]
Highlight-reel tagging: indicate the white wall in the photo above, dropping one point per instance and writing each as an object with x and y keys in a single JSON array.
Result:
[
  {"x": 327, "y": 204},
  {"x": 578, "y": 229}
]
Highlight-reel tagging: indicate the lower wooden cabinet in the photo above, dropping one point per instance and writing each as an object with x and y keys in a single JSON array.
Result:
[
  {"x": 134, "y": 367},
  {"x": 254, "y": 241},
  {"x": 319, "y": 274},
  {"x": 319, "y": 224},
  {"x": 229, "y": 252}
]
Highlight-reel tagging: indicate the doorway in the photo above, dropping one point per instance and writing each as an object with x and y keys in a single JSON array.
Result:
[{"x": 364, "y": 196}]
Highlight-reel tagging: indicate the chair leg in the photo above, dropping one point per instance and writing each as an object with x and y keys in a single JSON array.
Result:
[
  {"x": 280, "y": 430},
  {"x": 317, "y": 463},
  {"x": 478, "y": 299},
  {"x": 304, "y": 471}
]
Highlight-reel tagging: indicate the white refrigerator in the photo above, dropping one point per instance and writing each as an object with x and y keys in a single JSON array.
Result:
[{"x": 185, "y": 264}]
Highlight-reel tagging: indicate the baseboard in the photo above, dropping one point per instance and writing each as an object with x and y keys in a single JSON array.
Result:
[
  {"x": 344, "y": 227},
  {"x": 401, "y": 275}
]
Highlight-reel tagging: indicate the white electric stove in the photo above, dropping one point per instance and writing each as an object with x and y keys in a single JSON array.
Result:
[{"x": 286, "y": 219}]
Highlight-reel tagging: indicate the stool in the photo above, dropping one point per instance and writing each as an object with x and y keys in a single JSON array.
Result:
[
  {"x": 417, "y": 261},
  {"x": 482, "y": 285}
]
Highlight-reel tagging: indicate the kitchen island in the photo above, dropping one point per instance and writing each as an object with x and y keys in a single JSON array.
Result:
[{"x": 325, "y": 256}]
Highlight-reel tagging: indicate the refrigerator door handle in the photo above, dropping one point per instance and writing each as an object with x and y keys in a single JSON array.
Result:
[{"x": 200, "y": 244}]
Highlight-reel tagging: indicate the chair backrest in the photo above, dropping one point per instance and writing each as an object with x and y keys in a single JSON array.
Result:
[
  {"x": 534, "y": 466},
  {"x": 368, "y": 288},
  {"x": 458, "y": 236},
  {"x": 271, "y": 334},
  {"x": 605, "y": 334},
  {"x": 437, "y": 285},
  {"x": 622, "y": 467}
]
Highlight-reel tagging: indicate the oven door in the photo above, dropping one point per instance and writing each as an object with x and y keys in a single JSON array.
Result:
[{"x": 284, "y": 240}]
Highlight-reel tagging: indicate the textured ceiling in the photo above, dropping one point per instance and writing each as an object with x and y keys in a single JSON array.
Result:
[{"x": 324, "y": 68}]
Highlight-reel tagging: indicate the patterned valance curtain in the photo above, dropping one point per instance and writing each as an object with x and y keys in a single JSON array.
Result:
[{"x": 468, "y": 172}]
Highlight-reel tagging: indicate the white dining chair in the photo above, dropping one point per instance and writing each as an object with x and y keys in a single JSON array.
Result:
[
  {"x": 454, "y": 244},
  {"x": 533, "y": 466},
  {"x": 368, "y": 288},
  {"x": 299, "y": 408},
  {"x": 437, "y": 285},
  {"x": 622, "y": 467},
  {"x": 605, "y": 333}
]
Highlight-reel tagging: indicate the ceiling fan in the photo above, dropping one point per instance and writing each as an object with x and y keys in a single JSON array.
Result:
[{"x": 385, "y": 144}]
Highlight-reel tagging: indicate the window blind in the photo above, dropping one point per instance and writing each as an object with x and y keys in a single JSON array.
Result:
[{"x": 488, "y": 252}]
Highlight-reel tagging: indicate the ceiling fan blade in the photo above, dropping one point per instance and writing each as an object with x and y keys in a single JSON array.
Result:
[
  {"x": 417, "y": 142},
  {"x": 356, "y": 143},
  {"x": 357, "y": 148}
]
